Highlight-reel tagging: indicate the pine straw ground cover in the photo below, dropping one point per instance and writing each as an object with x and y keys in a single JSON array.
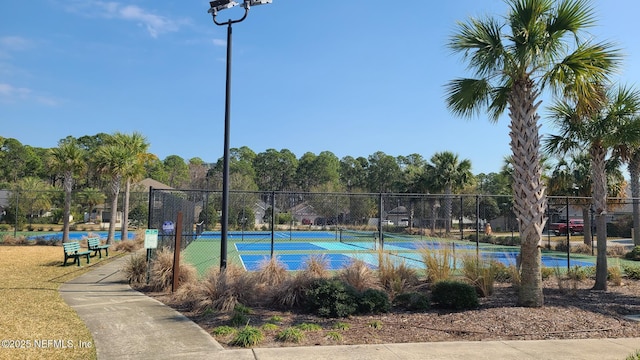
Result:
[
  {"x": 31, "y": 308},
  {"x": 571, "y": 311}
]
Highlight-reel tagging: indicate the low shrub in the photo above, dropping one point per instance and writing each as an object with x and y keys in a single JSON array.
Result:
[
  {"x": 269, "y": 327},
  {"x": 238, "y": 319},
  {"x": 412, "y": 301},
  {"x": 547, "y": 272},
  {"x": 634, "y": 356},
  {"x": 309, "y": 327},
  {"x": 334, "y": 335},
  {"x": 454, "y": 295},
  {"x": 376, "y": 324},
  {"x": 291, "y": 334},
  {"x": 341, "y": 326},
  {"x": 247, "y": 337},
  {"x": 634, "y": 254},
  {"x": 331, "y": 298},
  {"x": 373, "y": 301},
  {"x": 632, "y": 272},
  {"x": 223, "y": 331}
]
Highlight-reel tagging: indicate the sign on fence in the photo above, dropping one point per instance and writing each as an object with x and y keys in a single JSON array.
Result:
[{"x": 151, "y": 238}]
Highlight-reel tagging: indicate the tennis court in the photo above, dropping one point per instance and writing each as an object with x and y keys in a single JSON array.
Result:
[{"x": 338, "y": 249}]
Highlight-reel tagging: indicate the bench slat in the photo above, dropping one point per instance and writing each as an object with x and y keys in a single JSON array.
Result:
[
  {"x": 94, "y": 245},
  {"x": 72, "y": 250}
]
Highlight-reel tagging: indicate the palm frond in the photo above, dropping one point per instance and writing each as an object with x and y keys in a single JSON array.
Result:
[
  {"x": 466, "y": 97},
  {"x": 572, "y": 16}
]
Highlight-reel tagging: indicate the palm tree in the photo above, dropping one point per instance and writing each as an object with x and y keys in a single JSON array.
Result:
[
  {"x": 136, "y": 146},
  {"x": 31, "y": 196},
  {"x": 513, "y": 62},
  {"x": 449, "y": 174},
  {"x": 91, "y": 197},
  {"x": 610, "y": 128},
  {"x": 114, "y": 162},
  {"x": 573, "y": 178},
  {"x": 67, "y": 159},
  {"x": 633, "y": 166}
]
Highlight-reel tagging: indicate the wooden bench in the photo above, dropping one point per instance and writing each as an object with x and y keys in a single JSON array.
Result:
[
  {"x": 72, "y": 250},
  {"x": 94, "y": 245}
]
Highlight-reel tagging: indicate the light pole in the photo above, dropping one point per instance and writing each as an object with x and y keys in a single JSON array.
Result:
[{"x": 216, "y": 6}]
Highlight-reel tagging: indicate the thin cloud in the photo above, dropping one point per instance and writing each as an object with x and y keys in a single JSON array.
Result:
[
  {"x": 12, "y": 94},
  {"x": 219, "y": 42},
  {"x": 14, "y": 43},
  {"x": 153, "y": 23},
  {"x": 8, "y": 91},
  {"x": 11, "y": 44}
]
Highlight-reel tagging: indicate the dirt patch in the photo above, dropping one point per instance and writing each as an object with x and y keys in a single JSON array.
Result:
[{"x": 575, "y": 312}]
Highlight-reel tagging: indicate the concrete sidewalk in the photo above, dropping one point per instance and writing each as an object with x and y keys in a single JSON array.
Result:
[{"x": 126, "y": 324}]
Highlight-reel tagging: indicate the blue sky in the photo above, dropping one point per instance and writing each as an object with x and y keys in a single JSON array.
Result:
[{"x": 350, "y": 77}]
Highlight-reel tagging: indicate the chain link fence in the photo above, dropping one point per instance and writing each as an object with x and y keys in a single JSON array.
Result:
[{"x": 267, "y": 219}]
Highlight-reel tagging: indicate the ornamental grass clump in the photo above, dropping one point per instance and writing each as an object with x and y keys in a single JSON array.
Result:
[
  {"x": 161, "y": 274},
  {"x": 359, "y": 275},
  {"x": 135, "y": 269},
  {"x": 439, "y": 261},
  {"x": 247, "y": 337},
  {"x": 395, "y": 275},
  {"x": 290, "y": 334}
]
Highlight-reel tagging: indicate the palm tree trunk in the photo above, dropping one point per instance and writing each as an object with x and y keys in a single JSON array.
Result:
[
  {"x": 115, "y": 192},
  {"x": 68, "y": 186},
  {"x": 125, "y": 212},
  {"x": 634, "y": 182},
  {"x": 599, "y": 177},
  {"x": 433, "y": 216},
  {"x": 447, "y": 209},
  {"x": 530, "y": 200},
  {"x": 586, "y": 232}
]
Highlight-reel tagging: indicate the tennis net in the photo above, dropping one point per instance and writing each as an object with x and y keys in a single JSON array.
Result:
[{"x": 362, "y": 239}]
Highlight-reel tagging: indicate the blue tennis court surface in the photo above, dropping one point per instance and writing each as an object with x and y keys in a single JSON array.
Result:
[
  {"x": 510, "y": 258},
  {"x": 282, "y": 246},
  {"x": 303, "y": 246},
  {"x": 400, "y": 252},
  {"x": 295, "y": 262}
]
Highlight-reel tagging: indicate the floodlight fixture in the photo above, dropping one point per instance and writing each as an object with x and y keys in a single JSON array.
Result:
[
  {"x": 258, "y": 2},
  {"x": 218, "y": 5}
]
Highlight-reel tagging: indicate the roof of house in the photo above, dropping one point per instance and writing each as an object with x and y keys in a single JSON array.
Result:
[{"x": 149, "y": 182}]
